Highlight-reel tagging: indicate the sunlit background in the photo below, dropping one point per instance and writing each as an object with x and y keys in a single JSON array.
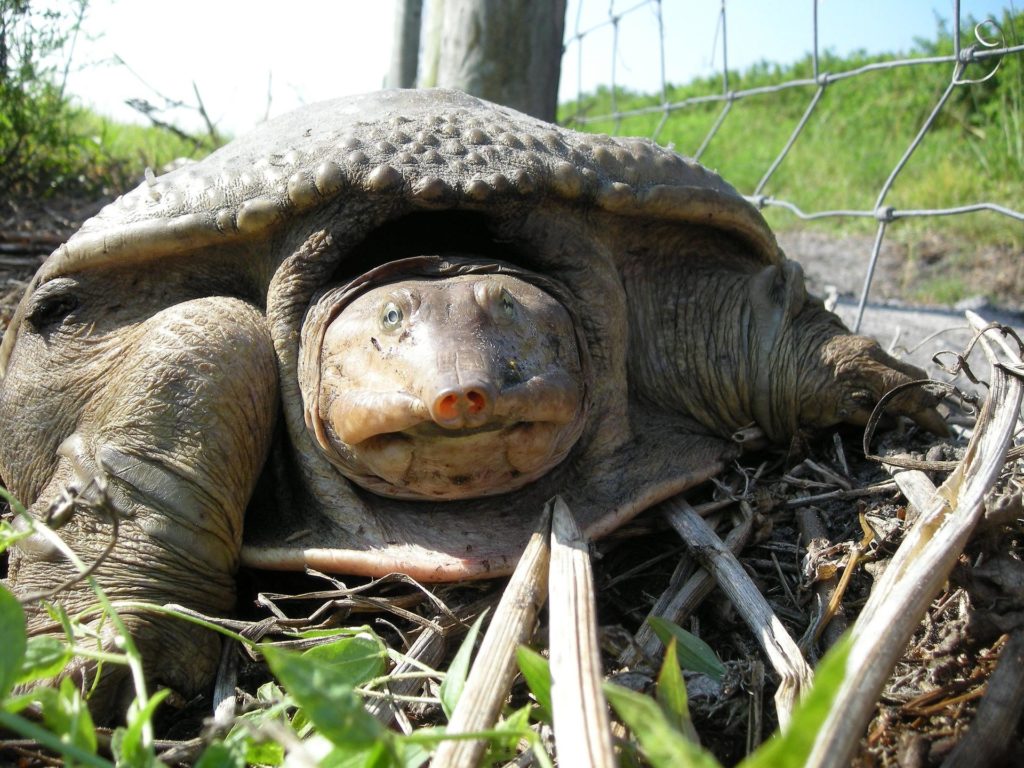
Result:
[{"x": 253, "y": 60}]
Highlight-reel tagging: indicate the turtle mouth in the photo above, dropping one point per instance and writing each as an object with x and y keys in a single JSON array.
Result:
[
  {"x": 428, "y": 433},
  {"x": 431, "y": 430},
  {"x": 429, "y": 461}
]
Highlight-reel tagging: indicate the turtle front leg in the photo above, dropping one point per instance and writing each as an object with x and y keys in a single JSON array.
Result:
[
  {"x": 733, "y": 348},
  {"x": 171, "y": 443},
  {"x": 846, "y": 375},
  {"x": 812, "y": 372}
]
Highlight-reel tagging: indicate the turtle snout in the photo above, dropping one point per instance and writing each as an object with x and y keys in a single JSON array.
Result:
[{"x": 463, "y": 406}]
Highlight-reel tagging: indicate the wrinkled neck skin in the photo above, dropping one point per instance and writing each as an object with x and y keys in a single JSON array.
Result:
[{"x": 730, "y": 348}]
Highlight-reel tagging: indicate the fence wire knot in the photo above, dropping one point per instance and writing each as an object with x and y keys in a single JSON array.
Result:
[
  {"x": 985, "y": 45},
  {"x": 885, "y": 213}
]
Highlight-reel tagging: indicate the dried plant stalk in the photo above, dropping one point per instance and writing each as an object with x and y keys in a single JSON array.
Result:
[
  {"x": 676, "y": 604},
  {"x": 920, "y": 566},
  {"x": 991, "y": 735},
  {"x": 427, "y": 651},
  {"x": 916, "y": 487},
  {"x": 582, "y": 728},
  {"x": 490, "y": 679},
  {"x": 779, "y": 646},
  {"x": 828, "y": 627}
]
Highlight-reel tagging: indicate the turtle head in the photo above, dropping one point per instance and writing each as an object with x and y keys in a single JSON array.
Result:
[{"x": 444, "y": 387}]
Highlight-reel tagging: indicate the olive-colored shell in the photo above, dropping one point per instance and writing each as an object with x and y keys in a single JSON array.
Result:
[
  {"x": 431, "y": 149},
  {"x": 436, "y": 148}
]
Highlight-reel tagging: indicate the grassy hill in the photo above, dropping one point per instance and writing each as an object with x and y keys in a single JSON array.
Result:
[{"x": 857, "y": 134}]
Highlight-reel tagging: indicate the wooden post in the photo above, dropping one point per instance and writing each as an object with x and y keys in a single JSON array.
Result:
[
  {"x": 406, "y": 52},
  {"x": 507, "y": 51}
]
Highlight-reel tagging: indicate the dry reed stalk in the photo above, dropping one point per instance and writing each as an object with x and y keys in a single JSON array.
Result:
[
  {"x": 922, "y": 563},
  {"x": 583, "y": 734},
  {"x": 490, "y": 679}
]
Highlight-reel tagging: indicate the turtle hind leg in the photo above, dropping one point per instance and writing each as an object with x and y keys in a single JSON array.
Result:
[{"x": 170, "y": 444}]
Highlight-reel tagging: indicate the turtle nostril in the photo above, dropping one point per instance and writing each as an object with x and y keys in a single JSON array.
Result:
[
  {"x": 448, "y": 407},
  {"x": 477, "y": 401},
  {"x": 461, "y": 407}
]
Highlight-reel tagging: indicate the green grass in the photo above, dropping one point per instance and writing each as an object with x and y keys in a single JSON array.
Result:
[
  {"x": 856, "y": 136},
  {"x": 121, "y": 152},
  {"x": 82, "y": 153},
  {"x": 48, "y": 144}
]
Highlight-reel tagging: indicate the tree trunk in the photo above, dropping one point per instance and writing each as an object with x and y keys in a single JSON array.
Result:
[
  {"x": 507, "y": 51},
  {"x": 406, "y": 52}
]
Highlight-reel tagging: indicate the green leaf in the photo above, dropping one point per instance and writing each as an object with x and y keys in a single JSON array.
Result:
[
  {"x": 127, "y": 744},
  {"x": 501, "y": 750},
  {"x": 65, "y": 714},
  {"x": 12, "y": 641},
  {"x": 537, "y": 674},
  {"x": 9, "y": 536},
  {"x": 458, "y": 671},
  {"x": 15, "y": 704},
  {"x": 412, "y": 755},
  {"x": 326, "y": 694},
  {"x": 672, "y": 689},
  {"x": 223, "y": 754},
  {"x": 256, "y": 749},
  {"x": 793, "y": 747},
  {"x": 45, "y": 657},
  {"x": 269, "y": 693},
  {"x": 694, "y": 654},
  {"x": 356, "y": 658},
  {"x": 663, "y": 745},
  {"x": 383, "y": 754},
  {"x": 16, "y": 506},
  {"x": 33, "y": 730}
]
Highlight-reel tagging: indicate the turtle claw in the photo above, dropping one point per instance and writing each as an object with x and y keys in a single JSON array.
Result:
[{"x": 931, "y": 420}]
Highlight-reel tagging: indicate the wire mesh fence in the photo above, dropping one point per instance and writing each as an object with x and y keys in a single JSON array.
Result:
[{"x": 976, "y": 58}]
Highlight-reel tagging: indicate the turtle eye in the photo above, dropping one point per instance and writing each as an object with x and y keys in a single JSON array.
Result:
[
  {"x": 496, "y": 301},
  {"x": 391, "y": 317},
  {"x": 506, "y": 305},
  {"x": 51, "y": 303}
]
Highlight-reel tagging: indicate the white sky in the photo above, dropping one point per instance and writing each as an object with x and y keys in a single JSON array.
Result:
[{"x": 299, "y": 51}]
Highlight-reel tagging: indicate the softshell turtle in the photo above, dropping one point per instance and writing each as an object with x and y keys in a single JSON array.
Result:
[{"x": 382, "y": 331}]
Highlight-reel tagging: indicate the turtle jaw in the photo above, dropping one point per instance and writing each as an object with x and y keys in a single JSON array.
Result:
[
  {"x": 400, "y": 447},
  {"x": 455, "y": 442},
  {"x": 436, "y": 463}
]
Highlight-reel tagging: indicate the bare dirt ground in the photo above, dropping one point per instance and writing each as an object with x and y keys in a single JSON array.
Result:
[
  {"x": 932, "y": 697},
  {"x": 908, "y": 272}
]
